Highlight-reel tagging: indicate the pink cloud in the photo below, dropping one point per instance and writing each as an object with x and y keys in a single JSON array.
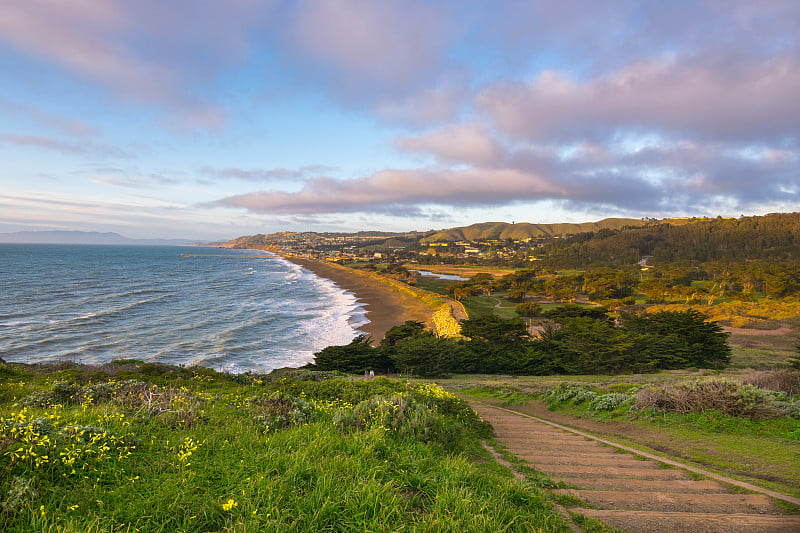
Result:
[
  {"x": 390, "y": 188},
  {"x": 79, "y": 35},
  {"x": 466, "y": 143},
  {"x": 143, "y": 51},
  {"x": 367, "y": 45},
  {"x": 703, "y": 96},
  {"x": 434, "y": 105}
]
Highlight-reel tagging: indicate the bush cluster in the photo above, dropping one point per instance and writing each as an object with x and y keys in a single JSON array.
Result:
[
  {"x": 569, "y": 393},
  {"x": 722, "y": 395},
  {"x": 174, "y": 406},
  {"x": 279, "y": 410},
  {"x": 402, "y": 417},
  {"x": 784, "y": 380},
  {"x": 577, "y": 341}
]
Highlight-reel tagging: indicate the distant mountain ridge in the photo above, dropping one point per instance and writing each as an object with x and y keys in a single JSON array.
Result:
[
  {"x": 502, "y": 230},
  {"x": 83, "y": 237}
]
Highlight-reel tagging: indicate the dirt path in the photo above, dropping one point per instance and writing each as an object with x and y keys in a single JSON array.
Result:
[{"x": 634, "y": 491}]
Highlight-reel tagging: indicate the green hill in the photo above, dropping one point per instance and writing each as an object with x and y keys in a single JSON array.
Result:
[
  {"x": 773, "y": 237},
  {"x": 503, "y": 230}
]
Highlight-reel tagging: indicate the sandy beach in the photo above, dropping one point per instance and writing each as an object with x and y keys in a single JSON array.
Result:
[{"x": 385, "y": 307}]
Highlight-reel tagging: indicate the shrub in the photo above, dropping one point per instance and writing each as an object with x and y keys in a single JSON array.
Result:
[
  {"x": 20, "y": 495},
  {"x": 98, "y": 392},
  {"x": 609, "y": 402},
  {"x": 301, "y": 374},
  {"x": 280, "y": 410},
  {"x": 357, "y": 356},
  {"x": 570, "y": 392},
  {"x": 785, "y": 380},
  {"x": 62, "y": 393},
  {"x": 528, "y": 309},
  {"x": 720, "y": 395},
  {"x": 403, "y": 417}
]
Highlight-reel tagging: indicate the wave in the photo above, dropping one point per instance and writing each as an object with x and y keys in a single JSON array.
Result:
[
  {"x": 132, "y": 292},
  {"x": 116, "y": 310}
]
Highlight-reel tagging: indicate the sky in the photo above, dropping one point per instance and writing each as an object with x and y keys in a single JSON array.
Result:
[{"x": 209, "y": 120}]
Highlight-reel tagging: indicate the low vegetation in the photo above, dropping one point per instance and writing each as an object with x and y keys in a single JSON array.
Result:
[{"x": 131, "y": 446}]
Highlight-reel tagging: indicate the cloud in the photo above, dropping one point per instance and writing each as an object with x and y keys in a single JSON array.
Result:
[
  {"x": 267, "y": 175},
  {"x": 441, "y": 103},
  {"x": 120, "y": 178},
  {"x": 668, "y": 177},
  {"x": 72, "y": 127},
  {"x": 703, "y": 97},
  {"x": 593, "y": 37},
  {"x": 389, "y": 189},
  {"x": 78, "y": 35},
  {"x": 81, "y": 147},
  {"x": 466, "y": 143},
  {"x": 659, "y": 177},
  {"x": 363, "y": 47},
  {"x": 144, "y": 51}
]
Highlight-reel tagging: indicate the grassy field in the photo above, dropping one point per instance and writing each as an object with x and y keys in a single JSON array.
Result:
[{"x": 142, "y": 447}]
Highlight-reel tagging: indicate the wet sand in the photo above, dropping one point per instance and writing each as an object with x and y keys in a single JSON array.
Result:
[{"x": 385, "y": 306}]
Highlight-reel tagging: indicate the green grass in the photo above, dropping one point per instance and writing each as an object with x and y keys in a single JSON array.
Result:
[
  {"x": 488, "y": 305},
  {"x": 507, "y": 395},
  {"x": 434, "y": 284},
  {"x": 215, "y": 458}
]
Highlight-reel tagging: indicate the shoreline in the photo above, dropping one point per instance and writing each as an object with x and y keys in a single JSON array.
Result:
[{"x": 384, "y": 306}]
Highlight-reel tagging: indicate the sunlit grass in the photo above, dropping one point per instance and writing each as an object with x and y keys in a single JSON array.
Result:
[{"x": 181, "y": 451}]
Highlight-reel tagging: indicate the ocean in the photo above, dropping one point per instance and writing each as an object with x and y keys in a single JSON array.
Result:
[{"x": 92, "y": 304}]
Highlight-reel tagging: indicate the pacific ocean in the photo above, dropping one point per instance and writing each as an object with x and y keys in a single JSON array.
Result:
[{"x": 234, "y": 310}]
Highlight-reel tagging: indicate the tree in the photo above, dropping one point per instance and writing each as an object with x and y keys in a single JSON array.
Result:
[
  {"x": 697, "y": 342},
  {"x": 576, "y": 311},
  {"x": 459, "y": 293},
  {"x": 357, "y": 356},
  {"x": 425, "y": 355},
  {"x": 528, "y": 309},
  {"x": 411, "y": 328},
  {"x": 516, "y": 295},
  {"x": 494, "y": 329}
]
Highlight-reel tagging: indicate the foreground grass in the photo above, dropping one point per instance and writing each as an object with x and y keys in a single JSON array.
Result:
[{"x": 155, "y": 448}]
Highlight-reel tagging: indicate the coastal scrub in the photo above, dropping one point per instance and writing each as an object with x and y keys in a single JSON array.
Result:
[{"x": 173, "y": 449}]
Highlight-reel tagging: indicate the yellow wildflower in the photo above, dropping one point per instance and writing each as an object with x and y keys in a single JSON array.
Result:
[{"x": 230, "y": 504}]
